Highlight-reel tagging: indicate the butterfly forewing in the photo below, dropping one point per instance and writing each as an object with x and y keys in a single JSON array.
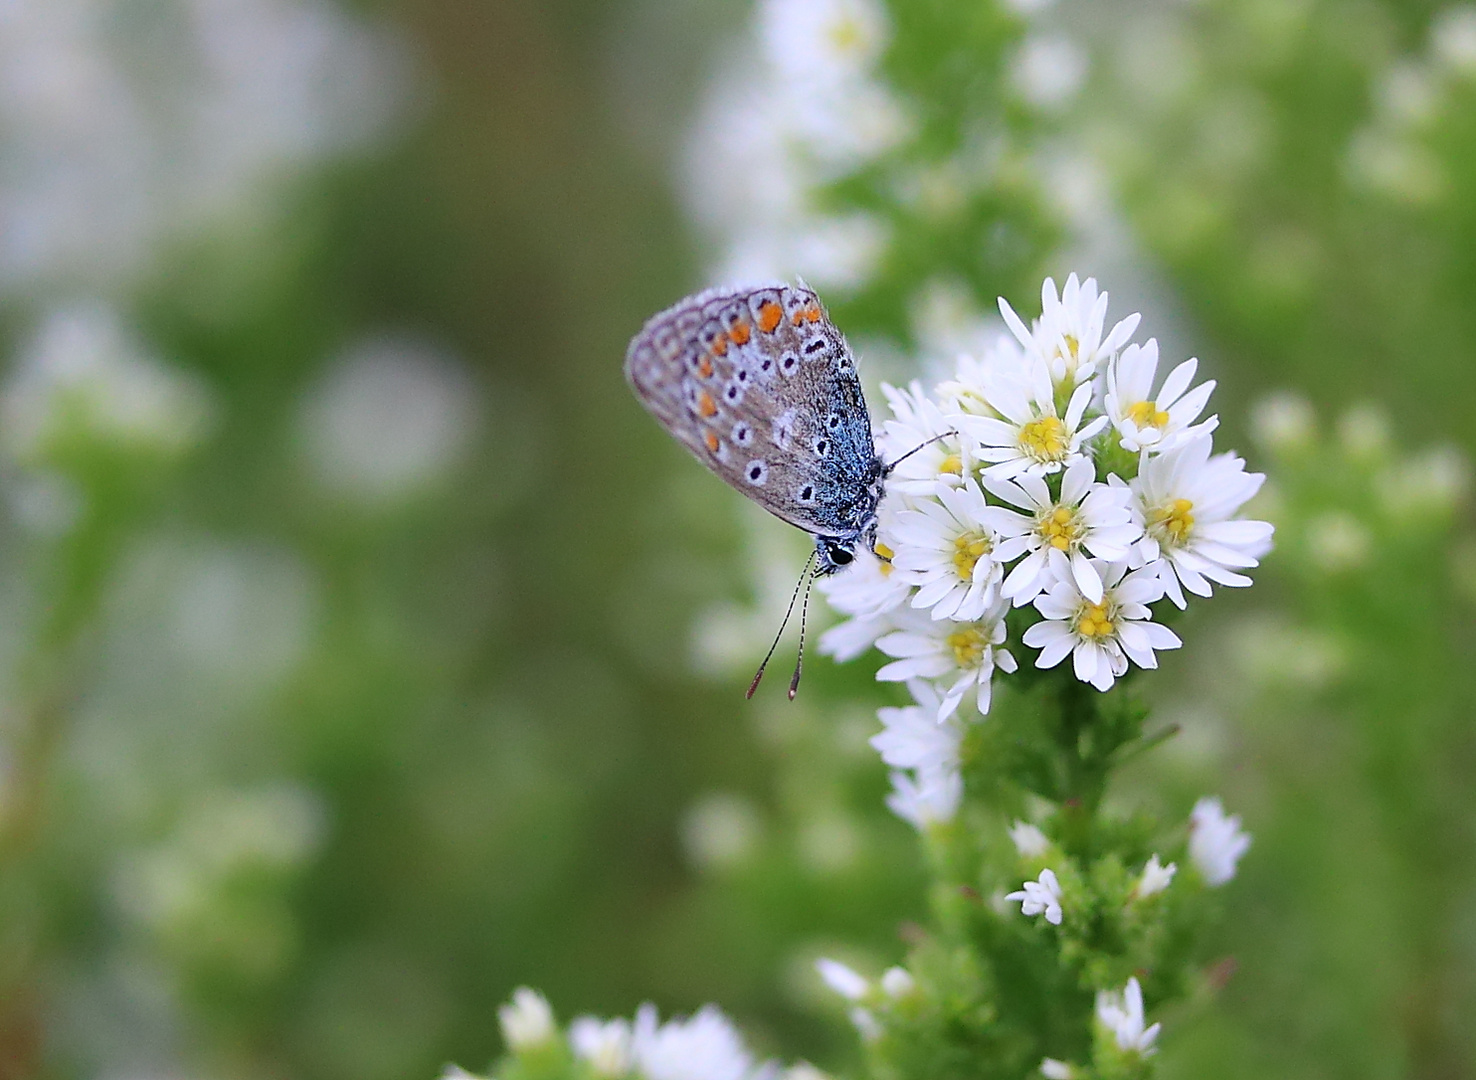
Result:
[{"x": 762, "y": 388}]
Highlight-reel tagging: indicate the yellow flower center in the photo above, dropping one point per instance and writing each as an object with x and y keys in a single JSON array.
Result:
[
  {"x": 1061, "y": 527},
  {"x": 885, "y": 554},
  {"x": 1072, "y": 345},
  {"x": 1148, "y": 414},
  {"x": 847, "y": 35},
  {"x": 968, "y": 549},
  {"x": 952, "y": 464},
  {"x": 968, "y": 644},
  {"x": 1171, "y": 523},
  {"x": 1095, "y": 621},
  {"x": 1045, "y": 439}
]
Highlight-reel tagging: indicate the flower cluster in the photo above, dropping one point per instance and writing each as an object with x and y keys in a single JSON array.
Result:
[{"x": 1057, "y": 473}]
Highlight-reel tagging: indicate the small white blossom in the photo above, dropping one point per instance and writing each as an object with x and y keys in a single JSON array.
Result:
[
  {"x": 1146, "y": 422},
  {"x": 929, "y": 798},
  {"x": 1030, "y": 435},
  {"x": 962, "y": 655},
  {"x": 1122, "y": 1014},
  {"x": 456, "y": 1072},
  {"x": 918, "y": 439},
  {"x": 1059, "y": 533},
  {"x": 966, "y": 393},
  {"x": 1187, "y": 501},
  {"x": 1101, "y": 637},
  {"x": 604, "y": 1044},
  {"x": 1155, "y": 878},
  {"x": 914, "y": 738},
  {"x": 528, "y": 1021},
  {"x": 870, "y": 587},
  {"x": 1040, "y": 896},
  {"x": 897, "y": 982},
  {"x": 1052, "y": 1069},
  {"x": 1068, "y": 334},
  {"x": 1216, "y": 842},
  {"x": 945, "y": 548},
  {"x": 705, "y": 1046},
  {"x": 843, "y": 979},
  {"x": 1029, "y": 841}
]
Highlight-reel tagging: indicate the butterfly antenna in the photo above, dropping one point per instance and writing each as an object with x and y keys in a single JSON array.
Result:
[
  {"x": 799, "y": 662},
  {"x": 759, "y": 674},
  {"x": 886, "y": 469}
]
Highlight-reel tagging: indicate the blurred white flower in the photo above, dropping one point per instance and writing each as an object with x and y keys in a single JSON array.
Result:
[
  {"x": 1048, "y": 71},
  {"x": 1040, "y": 897},
  {"x": 704, "y": 1046},
  {"x": 1101, "y": 637},
  {"x": 844, "y": 980},
  {"x": 897, "y": 982},
  {"x": 929, "y": 798},
  {"x": 720, "y": 831},
  {"x": 1145, "y": 422},
  {"x": 1284, "y": 422},
  {"x": 1216, "y": 842},
  {"x": 85, "y": 376},
  {"x": 117, "y": 143},
  {"x": 1122, "y": 1015},
  {"x": 387, "y": 419},
  {"x": 1059, "y": 534},
  {"x": 914, "y": 738},
  {"x": 1052, "y": 1069},
  {"x": 1187, "y": 501},
  {"x": 1155, "y": 879},
  {"x": 919, "y": 429},
  {"x": 823, "y": 43},
  {"x": 604, "y": 1044},
  {"x": 528, "y": 1022},
  {"x": 1029, "y": 841},
  {"x": 1453, "y": 38}
]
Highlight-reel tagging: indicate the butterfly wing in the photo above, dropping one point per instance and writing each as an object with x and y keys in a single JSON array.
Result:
[{"x": 760, "y": 386}]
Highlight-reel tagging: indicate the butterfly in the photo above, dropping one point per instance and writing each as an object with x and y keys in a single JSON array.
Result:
[{"x": 761, "y": 387}]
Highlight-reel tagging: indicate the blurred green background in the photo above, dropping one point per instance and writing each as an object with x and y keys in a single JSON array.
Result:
[{"x": 365, "y": 651}]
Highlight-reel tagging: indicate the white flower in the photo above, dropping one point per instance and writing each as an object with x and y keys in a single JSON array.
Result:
[
  {"x": 1030, "y": 435},
  {"x": 1122, "y": 1014},
  {"x": 1101, "y": 637},
  {"x": 919, "y": 423},
  {"x": 823, "y": 43},
  {"x": 1068, "y": 334},
  {"x": 1155, "y": 878},
  {"x": 703, "y": 1047},
  {"x": 1058, "y": 533},
  {"x": 869, "y": 588},
  {"x": 1216, "y": 842},
  {"x": 843, "y": 979},
  {"x": 964, "y": 655},
  {"x": 914, "y": 738},
  {"x": 1029, "y": 841},
  {"x": 456, "y": 1072},
  {"x": 930, "y": 798},
  {"x": 528, "y": 1022},
  {"x": 605, "y": 1044},
  {"x": 966, "y": 391},
  {"x": 945, "y": 548},
  {"x": 1052, "y": 1069},
  {"x": 897, "y": 982},
  {"x": 1187, "y": 500},
  {"x": 1040, "y": 896},
  {"x": 1143, "y": 421}
]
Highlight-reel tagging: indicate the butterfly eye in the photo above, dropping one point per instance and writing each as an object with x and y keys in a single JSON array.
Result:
[{"x": 840, "y": 556}]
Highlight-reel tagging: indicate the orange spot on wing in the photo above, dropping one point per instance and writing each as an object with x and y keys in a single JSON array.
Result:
[
  {"x": 769, "y": 316},
  {"x": 739, "y": 333},
  {"x": 720, "y": 345},
  {"x": 712, "y": 441},
  {"x": 806, "y": 314},
  {"x": 704, "y": 368},
  {"x": 705, "y": 405}
]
